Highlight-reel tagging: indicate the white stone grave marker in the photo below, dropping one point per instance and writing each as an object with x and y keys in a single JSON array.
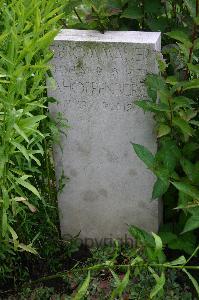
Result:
[{"x": 99, "y": 76}]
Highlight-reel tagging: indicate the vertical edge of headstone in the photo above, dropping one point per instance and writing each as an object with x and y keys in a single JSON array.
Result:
[
  {"x": 157, "y": 47},
  {"x": 158, "y": 42}
]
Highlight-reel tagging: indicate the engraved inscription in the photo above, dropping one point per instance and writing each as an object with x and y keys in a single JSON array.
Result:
[{"x": 90, "y": 76}]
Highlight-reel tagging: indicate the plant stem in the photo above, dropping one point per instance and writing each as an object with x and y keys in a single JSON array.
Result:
[
  {"x": 78, "y": 16},
  {"x": 109, "y": 266}
]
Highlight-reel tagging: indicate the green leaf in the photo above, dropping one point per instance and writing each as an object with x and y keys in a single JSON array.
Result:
[
  {"x": 167, "y": 236},
  {"x": 191, "y": 224},
  {"x": 192, "y": 84},
  {"x": 166, "y": 158},
  {"x": 179, "y": 261},
  {"x": 182, "y": 101},
  {"x": 193, "y": 280},
  {"x": 83, "y": 289},
  {"x": 133, "y": 11},
  {"x": 121, "y": 285},
  {"x": 21, "y": 132},
  {"x": 47, "y": 39},
  {"x": 187, "y": 188},
  {"x": 160, "y": 282},
  {"x": 154, "y": 84},
  {"x": 144, "y": 154},
  {"x": 151, "y": 106},
  {"x": 181, "y": 37},
  {"x": 193, "y": 68},
  {"x": 158, "y": 242},
  {"x": 159, "y": 188},
  {"x": 4, "y": 220},
  {"x": 31, "y": 122},
  {"x": 183, "y": 125},
  {"x": 163, "y": 130},
  {"x": 116, "y": 277},
  {"x": 28, "y": 186},
  {"x": 191, "y": 5},
  {"x": 28, "y": 248},
  {"x": 13, "y": 233},
  {"x": 188, "y": 168},
  {"x": 142, "y": 236},
  {"x": 152, "y": 7},
  {"x": 22, "y": 149},
  {"x": 185, "y": 242},
  {"x": 190, "y": 149}
]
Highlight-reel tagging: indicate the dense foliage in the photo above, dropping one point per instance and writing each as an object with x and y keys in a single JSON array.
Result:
[
  {"x": 28, "y": 213},
  {"x": 26, "y": 175}
]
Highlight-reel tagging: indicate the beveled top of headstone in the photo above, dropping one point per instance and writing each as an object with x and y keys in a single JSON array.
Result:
[{"x": 134, "y": 37}]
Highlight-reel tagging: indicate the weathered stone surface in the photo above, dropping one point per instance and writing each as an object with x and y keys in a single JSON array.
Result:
[{"x": 98, "y": 78}]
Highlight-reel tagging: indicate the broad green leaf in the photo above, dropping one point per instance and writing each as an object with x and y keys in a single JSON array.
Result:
[
  {"x": 167, "y": 237},
  {"x": 28, "y": 186},
  {"x": 158, "y": 242},
  {"x": 166, "y": 158},
  {"x": 181, "y": 37},
  {"x": 193, "y": 68},
  {"x": 144, "y": 154},
  {"x": 159, "y": 188},
  {"x": 193, "y": 280},
  {"x": 187, "y": 188},
  {"x": 190, "y": 149},
  {"x": 154, "y": 84},
  {"x": 172, "y": 79},
  {"x": 191, "y": 224},
  {"x": 183, "y": 125},
  {"x": 83, "y": 289},
  {"x": 185, "y": 242},
  {"x": 142, "y": 236},
  {"x": 163, "y": 130},
  {"x": 192, "y": 84},
  {"x": 157, "y": 24},
  {"x": 182, "y": 101},
  {"x": 188, "y": 168},
  {"x": 151, "y": 106}
]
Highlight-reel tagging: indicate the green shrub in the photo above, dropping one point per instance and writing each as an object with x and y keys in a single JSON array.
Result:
[{"x": 27, "y": 194}]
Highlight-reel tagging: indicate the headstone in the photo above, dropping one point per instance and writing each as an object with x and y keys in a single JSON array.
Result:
[{"x": 99, "y": 76}]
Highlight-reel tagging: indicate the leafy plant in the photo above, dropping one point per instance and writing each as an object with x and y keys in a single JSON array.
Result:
[
  {"x": 176, "y": 113},
  {"x": 27, "y": 190},
  {"x": 142, "y": 272}
]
